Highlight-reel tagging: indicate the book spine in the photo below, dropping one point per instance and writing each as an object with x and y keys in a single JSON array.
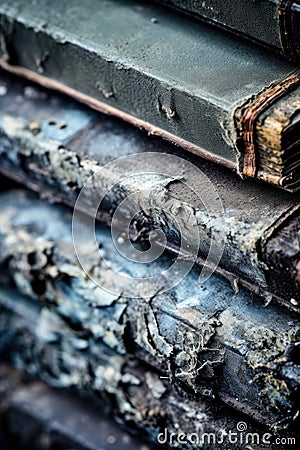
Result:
[
  {"x": 268, "y": 22},
  {"x": 205, "y": 340},
  {"x": 201, "y": 116},
  {"x": 54, "y": 146}
]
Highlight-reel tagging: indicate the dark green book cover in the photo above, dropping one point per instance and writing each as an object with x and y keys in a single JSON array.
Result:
[
  {"x": 210, "y": 93},
  {"x": 275, "y": 23}
]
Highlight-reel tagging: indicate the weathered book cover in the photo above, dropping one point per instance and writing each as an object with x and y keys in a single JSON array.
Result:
[
  {"x": 137, "y": 396},
  {"x": 275, "y": 23},
  {"x": 217, "y": 97},
  {"x": 53, "y": 145},
  {"x": 206, "y": 340}
]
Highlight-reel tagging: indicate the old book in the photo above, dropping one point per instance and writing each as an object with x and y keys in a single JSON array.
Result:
[
  {"x": 54, "y": 146},
  {"x": 275, "y": 23},
  {"x": 213, "y": 95},
  {"x": 206, "y": 340},
  {"x": 135, "y": 394}
]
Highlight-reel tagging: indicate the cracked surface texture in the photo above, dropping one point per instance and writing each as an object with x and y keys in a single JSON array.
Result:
[{"x": 206, "y": 339}]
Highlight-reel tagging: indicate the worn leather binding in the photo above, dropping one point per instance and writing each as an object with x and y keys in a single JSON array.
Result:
[
  {"x": 267, "y": 22},
  {"x": 251, "y": 147},
  {"x": 56, "y": 162},
  {"x": 106, "y": 55}
]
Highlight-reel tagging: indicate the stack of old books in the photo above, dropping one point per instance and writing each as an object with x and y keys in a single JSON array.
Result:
[{"x": 155, "y": 273}]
